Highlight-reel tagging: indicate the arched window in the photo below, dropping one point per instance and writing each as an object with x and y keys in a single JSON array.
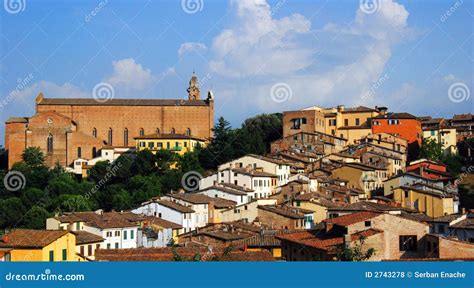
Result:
[
  {"x": 79, "y": 152},
  {"x": 188, "y": 131},
  {"x": 125, "y": 137},
  {"x": 50, "y": 143},
  {"x": 142, "y": 132},
  {"x": 109, "y": 138},
  {"x": 157, "y": 131},
  {"x": 94, "y": 132},
  {"x": 173, "y": 131},
  {"x": 94, "y": 152}
]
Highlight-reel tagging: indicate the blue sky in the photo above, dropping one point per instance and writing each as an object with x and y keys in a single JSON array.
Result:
[{"x": 402, "y": 54}]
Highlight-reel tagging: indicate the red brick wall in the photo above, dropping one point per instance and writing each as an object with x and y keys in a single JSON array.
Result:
[{"x": 72, "y": 127}]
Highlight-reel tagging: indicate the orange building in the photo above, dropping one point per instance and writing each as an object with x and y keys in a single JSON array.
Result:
[{"x": 403, "y": 125}]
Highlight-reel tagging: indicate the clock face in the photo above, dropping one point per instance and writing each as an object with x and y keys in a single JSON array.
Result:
[{"x": 50, "y": 120}]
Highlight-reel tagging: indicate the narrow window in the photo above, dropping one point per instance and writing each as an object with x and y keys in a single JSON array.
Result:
[
  {"x": 125, "y": 137},
  {"x": 188, "y": 132},
  {"x": 94, "y": 132},
  {"x": 142, "y": 132},
  {"x": 50, "y": 143},
  {"x": 79, "y": 152},
  {"x": 109, "y": 138}
]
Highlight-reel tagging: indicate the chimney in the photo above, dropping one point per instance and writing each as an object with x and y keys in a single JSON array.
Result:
[
  {"x": 340, "y": 108},
  {"x": 347, "y": 239}
]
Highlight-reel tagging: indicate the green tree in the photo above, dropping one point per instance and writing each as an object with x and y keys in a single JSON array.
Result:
[
  {"x": 73, "y": 203},
  {"x": 33, "y": 157},
  {"x": 144, "y": 163},
  {"x": 431, "y": 149},
  {"x": 99, "y": 171},
  {"x": 35, "y": 218},
  {"x": 220, "y": 150},
  {"x": 355, "y": 252},
  {"x": 12, "y": 211}
]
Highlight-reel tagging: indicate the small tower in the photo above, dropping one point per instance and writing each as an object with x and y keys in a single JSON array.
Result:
[{"x": 193, "y": 91}]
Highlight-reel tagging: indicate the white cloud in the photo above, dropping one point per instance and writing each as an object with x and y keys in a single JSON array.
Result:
[
  {"x": 129, "y": 75},
  {"x": 190, "y": 46},
  {"x": 449, "y": 78},
  {"x": 258, "y": 44},
  {"x": 332, "y": 65},
  {"x": 51, "y": 90}
]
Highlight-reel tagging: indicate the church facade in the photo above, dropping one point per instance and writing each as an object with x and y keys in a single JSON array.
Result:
[{"x": 66, "y": 129}]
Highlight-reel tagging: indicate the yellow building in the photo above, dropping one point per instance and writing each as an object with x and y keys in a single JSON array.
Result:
[
  {"x": 39, "y": 245},
  {"x": 432, "y": 201},
  {"x": 445, "y": 136},
  {"x": 315, "y": 203},
  {"x": 348, "y": 123},
  {"x": 178, "y": 143}
]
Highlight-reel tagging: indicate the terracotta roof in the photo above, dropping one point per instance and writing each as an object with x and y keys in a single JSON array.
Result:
[
  {"x": 168, "y": 254},
  {"x": 29, "y": 238},
  {"x": 447, "y": 218},
  {"x": 122, "y": 102},
  {"x": 104, "y": 220},
  {"x": 319, "y": 239},
  {"x": 236, "y": 187},
  {"x": 84, "y": 237},
  {"x": 223, "y": 203},
  {"x": 17, "y": 120},
  {"x": 350, "y": 219},
  {"x": 191, "y": 197},
  {"x": 169, "y": 137},
  {"x": 358, "y": 109},
  {"x": 290, "y": 212},
  {"x": 175, "y": 206},
  {"x": 463, "y": 117},
  {"x": 224, "y": 189},
  {"x": 259, "y": 240},
  {"x": 251, "y": 172},
  {"x": 150, "y": 220},
  {"x": 368, "y": 206},
  {"x": 226, "y": 236},
  {"x": 269, "y": 159},
  {"x": 465, "y": 224},
  {"x": 402, "y": 115}
]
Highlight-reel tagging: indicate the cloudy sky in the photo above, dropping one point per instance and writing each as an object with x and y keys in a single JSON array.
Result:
[{"x": 257, "y": 56}]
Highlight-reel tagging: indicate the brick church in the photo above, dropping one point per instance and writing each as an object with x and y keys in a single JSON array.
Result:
[{"x": 66, "y": 129}]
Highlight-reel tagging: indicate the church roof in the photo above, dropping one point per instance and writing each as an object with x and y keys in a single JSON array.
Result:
[{"x": 122, "y": 102}]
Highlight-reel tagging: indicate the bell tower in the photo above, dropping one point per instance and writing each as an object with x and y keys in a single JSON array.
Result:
[{"x": 193, "y": 90}]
